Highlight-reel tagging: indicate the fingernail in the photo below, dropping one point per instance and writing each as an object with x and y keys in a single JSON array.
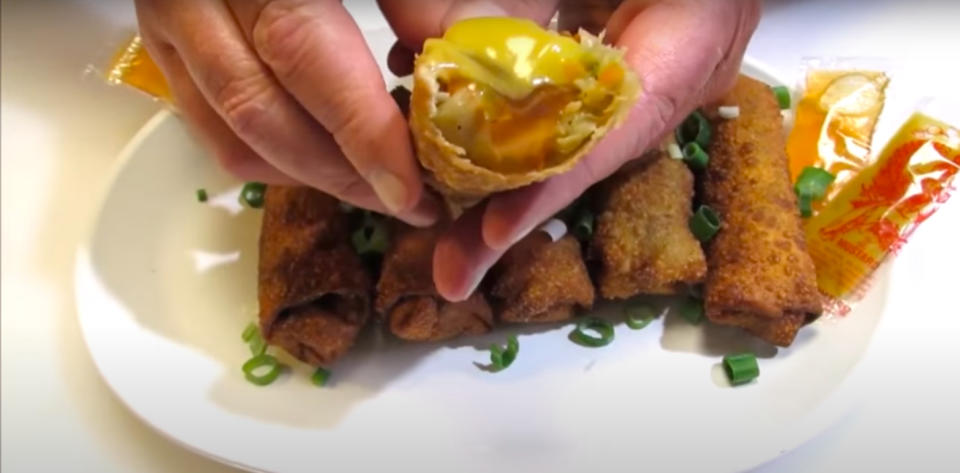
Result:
[
  {"x": 390, "y": 190},
  {"x": 475, "y": 9}
]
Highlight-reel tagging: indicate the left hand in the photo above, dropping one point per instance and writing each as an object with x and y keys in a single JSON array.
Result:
[{"x": 685, "y": 52}]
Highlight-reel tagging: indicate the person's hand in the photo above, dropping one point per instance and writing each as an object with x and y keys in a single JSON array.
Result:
[
  {"x": 286, "y": 91},
  {"x": 685, "y": 52}
]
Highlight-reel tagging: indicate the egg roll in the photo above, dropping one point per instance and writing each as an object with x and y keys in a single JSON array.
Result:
[
  {"x": 642, "y": 242},
  {"x": 541, "y": 280},
  {"x": 760, "y": 276},
  {"x": 408, "y": 298},
  {"x": 499, "y": 103},
  {"x": 313, "y": 289}
]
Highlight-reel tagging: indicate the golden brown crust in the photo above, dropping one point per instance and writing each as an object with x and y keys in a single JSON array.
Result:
[
  {"x": 314, "y": 292},
  {"x": 759, "y": 269},
  {"x": 539, "y": 280},
  {"x": 643, "y": 240},
  {"x": 464, "y": 183},
  {"x": 408, "y": 298}
]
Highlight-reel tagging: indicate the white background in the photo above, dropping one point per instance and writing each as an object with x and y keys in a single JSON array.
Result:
[{"x": 62, "y": 129}]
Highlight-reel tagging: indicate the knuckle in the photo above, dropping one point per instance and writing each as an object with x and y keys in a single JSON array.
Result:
[
  {"x": 279, "y": 35},
  {"x": 244, "y": 104}
]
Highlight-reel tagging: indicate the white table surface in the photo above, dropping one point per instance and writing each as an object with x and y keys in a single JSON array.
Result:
[{"x": 62, "y": 129}]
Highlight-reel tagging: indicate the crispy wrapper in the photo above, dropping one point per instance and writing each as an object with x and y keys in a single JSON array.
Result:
[
  {"x": 314, "y": 291},
  {"x": 643, "y": 240},
  {"x": 408, "y": 299},
  {"x": 760, "y": 275},
  {"x": 539, "y": 280},
  {"x": 464, "y": 183}
]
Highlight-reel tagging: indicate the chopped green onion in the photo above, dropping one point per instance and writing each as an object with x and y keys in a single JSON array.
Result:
[
  {"x": 705, "y": 223},
  {"x": 806, "y": 205},
  {"x": 201, "y": 195},
  {"x": 691, "y": 310},
  {"x": 741, "y": 368},
  {"x": 695, "y": 156},
  {"x": 256, "y": 364},
  {"x": 372, "y": 237},
  {"x": 603, "y": 328},
  {"x": 251, "y": 335},
  {"x": 252, "y": 194},
  {"x": 583, "y": 227},
  {"x": 783, "y": 96},
  {"x": 694, "y": 129},
  {"x": 639, "y": 315},
  {"x": 501, "y": 358},
  {"x": 258, "y": 345},
  {"x": 813, "y": 182},
  {"x": 320, "y": 377},
  {"x": 249, "y": 331}
]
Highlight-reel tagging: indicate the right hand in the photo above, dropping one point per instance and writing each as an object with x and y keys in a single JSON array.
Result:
[{"x": 287, "y": 92}]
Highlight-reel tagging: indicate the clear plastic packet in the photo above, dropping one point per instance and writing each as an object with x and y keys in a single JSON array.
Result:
[
  {"x": 874, "y": 213},
  {"x": 837, "y": 107},
  {"x": 133, "y": 67}
]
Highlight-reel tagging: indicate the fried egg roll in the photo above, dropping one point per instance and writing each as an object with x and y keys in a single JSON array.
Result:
[
  {"x": 314, "y": 291},
  {"x": 760, "y": 276},
  {"x": 643, "y": 242},
  {"x": 408, "y": 299},
  {"x": 541, "y": 280}
]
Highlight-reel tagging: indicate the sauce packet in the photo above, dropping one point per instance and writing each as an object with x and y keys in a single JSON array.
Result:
[
  {"x": 835, "y": 119},
  {"x": 874, "y": 213}
]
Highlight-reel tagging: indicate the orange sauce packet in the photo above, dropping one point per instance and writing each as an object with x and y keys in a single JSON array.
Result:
[
  {"x": 834, "y": 124},
  {"x": 132, "y": 66},
  {"x": 875, "y": 213}
]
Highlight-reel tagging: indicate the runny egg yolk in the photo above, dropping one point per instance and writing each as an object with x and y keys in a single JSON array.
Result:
[{"x": 509, "y": 82}]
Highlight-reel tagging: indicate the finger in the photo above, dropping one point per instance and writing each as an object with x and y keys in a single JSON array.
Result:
[
  {"x": 432, "y": 17},
  {"x": 400, "y": 60},
  {"x": 246, "y": 95},
  {"x": 460, "y": 258},
  {"x": 319, "y": 55},
  {"x": 232, "y": 153}
]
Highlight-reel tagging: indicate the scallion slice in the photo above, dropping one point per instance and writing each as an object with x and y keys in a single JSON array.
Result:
[
  {"x": 251, "y": 335},
  {"x": 320, "y": 377},
  {"x": 581, "y": 335},
  {"x": 814, "y": 182},
  {"x": 639, "y": 315},
  {"x": 261, "y": 370},
  {"x": 695, "y": 156},
  {"x": 252, "y": 194},
  {"x": 502, "y": 358},
  {"x": 811, "y": 185},
  {"x": 249, "y": 331},
  {"x": 705, "y": 223},
  {"x": 694, "y": 129},
  {"x": 741, "y": 368},
  {"x": 583, "y": 226},
  {"x": 783, "y": 96},
  {"x": 372, "y": 237},
  {"x": 805, "y": 202},
  {"x": 201, "y": 195},
  {"x": 691, "y": 310}
]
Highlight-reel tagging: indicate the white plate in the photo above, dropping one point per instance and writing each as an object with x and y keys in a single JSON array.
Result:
[{"x": 165, "y": 285}]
